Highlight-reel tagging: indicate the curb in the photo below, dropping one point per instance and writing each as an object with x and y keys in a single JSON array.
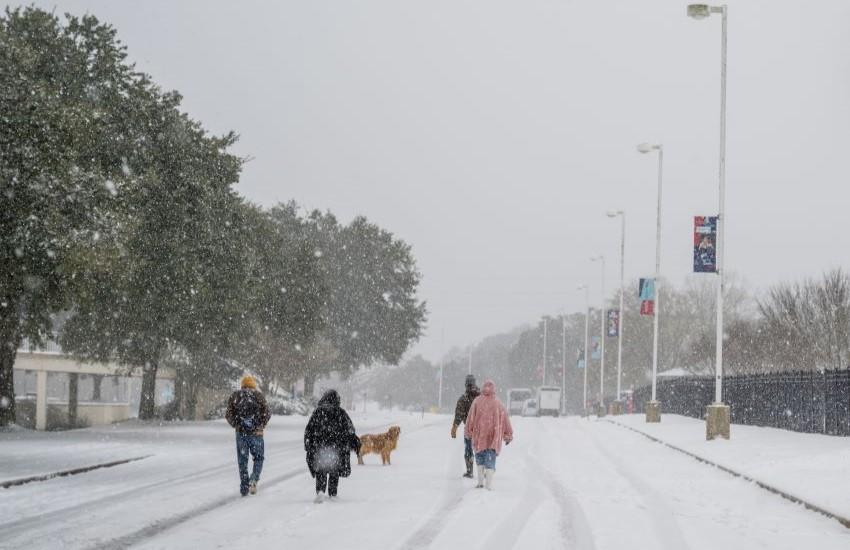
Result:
[
  {"x": 766, "y": 486},
  {"x": 71, "y": 472}
]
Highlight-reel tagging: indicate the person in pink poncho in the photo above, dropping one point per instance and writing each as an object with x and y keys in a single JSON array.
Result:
[{"x": 487, "y": 426}]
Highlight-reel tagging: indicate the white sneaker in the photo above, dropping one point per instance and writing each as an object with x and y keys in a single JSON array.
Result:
[
  {"x": 480, "y": 478},
  {"x": 333, "y": 498},
  {"x": 488, "y": 478},
  {"x": 252, "y": 488},
  {"x": 319, "y": 498}
]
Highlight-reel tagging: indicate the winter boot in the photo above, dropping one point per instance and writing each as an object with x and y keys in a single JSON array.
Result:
[
  {"x": 252, "y": 487},
  {"x": 480, "y": 477},
  {"x": 468, "y": 473},
  {"x": 488, "y": 478},
  {"x": 319, "y": 497}
]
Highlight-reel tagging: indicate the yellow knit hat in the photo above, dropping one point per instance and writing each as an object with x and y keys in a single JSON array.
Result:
[{"x": 248, "y": 381}]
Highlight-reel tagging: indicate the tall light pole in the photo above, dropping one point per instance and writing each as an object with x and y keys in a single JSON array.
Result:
[
  {"x": 440, "y": 390},
  {"x": 442, "y": 360},
  {"x": 601, "y": 260},
  {"x": 564, "y": 364},
  {"x": 653, "y": 408},
  {"x": 545, "y": 330},
  {"x": 586, "y": 289},
  {"x": 613, "y": 214},
  {"x": 718, "y": 414}
]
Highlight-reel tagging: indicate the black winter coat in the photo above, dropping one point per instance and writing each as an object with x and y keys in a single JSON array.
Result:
[
  {"x": 329, "y": 438},
  {"x": 464, "y": 403}
]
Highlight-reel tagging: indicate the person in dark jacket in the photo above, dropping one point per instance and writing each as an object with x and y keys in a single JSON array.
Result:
[
  {"x": 248, "y": 413},
  {"x": 461, "y": 411},
  {"x": 329, "y": 440}
]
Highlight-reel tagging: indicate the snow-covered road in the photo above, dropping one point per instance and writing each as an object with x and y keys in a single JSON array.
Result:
[{"x": 563, "y": 483}]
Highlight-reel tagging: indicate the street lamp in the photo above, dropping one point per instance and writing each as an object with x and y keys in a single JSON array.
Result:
[
  {"x": 653, "y": 408},
  {"x": 442, "y": 361},
  {"x": 718, "y": 414},
  {"x": 545, "y": 333},
  {"x": 586, "y": 290},
  {"x": 622, "y": 215},
  {"x": 601, "y": 260},
  {"x": 564, "y": 364}
]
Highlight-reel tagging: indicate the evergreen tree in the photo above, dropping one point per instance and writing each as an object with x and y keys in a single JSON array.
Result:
[{"x": 65, "y": 130}]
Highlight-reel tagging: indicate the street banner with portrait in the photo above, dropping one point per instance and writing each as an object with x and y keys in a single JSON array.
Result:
[
  {"x": 613, "y": 325},
  {"x": 705, "y": 244},
  {"x": 580, "y": 359},
  {"x": 595, "y": 348}
]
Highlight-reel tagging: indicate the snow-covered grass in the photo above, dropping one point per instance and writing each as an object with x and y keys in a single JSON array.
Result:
[
  {"x": 813, "y": 467},
  {"x": 563, "y": 483}
]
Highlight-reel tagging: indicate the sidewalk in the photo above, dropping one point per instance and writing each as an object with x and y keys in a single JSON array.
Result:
[{"x": 814, "y": 468}]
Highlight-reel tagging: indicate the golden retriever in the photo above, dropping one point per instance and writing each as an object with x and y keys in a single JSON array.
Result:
[{"x": 382, "y": 444}]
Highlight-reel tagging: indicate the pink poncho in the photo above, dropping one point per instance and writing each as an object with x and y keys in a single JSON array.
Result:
[{"x": 488, "y": 424}]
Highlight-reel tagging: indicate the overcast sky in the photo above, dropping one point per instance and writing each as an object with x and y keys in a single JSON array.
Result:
[{"x": 494, "y": 135}]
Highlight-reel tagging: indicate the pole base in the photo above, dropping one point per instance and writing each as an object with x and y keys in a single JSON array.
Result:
[
  {"x": 653, "y": 412},
  {"x": 600, "y": 411},
  {"x": 717, "y": 421},
  {"x": 615, "y": 408}
]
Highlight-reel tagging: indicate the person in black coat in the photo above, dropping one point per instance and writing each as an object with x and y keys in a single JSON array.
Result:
[{"x": 329, "y": 440}]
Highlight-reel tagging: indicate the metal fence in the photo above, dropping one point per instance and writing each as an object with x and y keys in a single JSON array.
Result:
[{"x": 812, "y": 402}]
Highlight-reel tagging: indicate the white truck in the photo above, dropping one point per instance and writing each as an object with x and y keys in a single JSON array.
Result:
[{"x": 548, "y": 400}]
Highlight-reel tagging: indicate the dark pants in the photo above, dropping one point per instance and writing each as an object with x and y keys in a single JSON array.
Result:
[
  {"x": 245, "y": 444},
  {"x": 331, "y": 481},
  {"x": 467, "y": 454}
]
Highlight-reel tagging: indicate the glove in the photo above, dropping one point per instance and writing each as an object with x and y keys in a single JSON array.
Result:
[{"x": 454, "y": 431}]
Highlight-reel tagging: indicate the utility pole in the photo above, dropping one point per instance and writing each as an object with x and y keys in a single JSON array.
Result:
[
  {"x": 564, "y": 364},
  {"x": 545, "y": 331}
]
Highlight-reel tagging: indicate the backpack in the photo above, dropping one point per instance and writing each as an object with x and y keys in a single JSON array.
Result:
[{"x": 247, "y": 411}]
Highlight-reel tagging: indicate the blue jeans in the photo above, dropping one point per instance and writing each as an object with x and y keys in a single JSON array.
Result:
[
  {"x": 486, "y": 459},
  {"x": 245, "y": 444}
]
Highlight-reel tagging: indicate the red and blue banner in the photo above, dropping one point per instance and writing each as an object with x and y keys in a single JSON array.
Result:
[{"x": 646, "y": 294}]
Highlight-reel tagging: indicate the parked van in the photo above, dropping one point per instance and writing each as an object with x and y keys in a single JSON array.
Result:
[{"x": 517, "y": 398}]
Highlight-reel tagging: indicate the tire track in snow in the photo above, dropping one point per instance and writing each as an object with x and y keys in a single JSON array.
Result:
[
  {"x": 30, "y": 522},
  {"x": 453, "y": 494},
  {"x": 663, "y": 519},
  {"x": 157, "y": 527},
  {"x": 575, "y": 528},
  {"x": 506, "y": 535}
]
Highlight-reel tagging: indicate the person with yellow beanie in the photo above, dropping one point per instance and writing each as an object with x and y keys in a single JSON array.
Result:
[{"x": 248, "y": 413}]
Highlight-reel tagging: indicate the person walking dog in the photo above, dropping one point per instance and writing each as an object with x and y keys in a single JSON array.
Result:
[
  {"x": 461, "y": 411},
  {"x": 329, "y": 439},
  {"x": 248, "y": 413},
  {"x": 488, "y": 425}
]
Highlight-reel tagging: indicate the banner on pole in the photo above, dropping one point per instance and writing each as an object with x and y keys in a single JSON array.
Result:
[
  {"x": 646, "y": 294},
  {"x": 580, "y": 359},
  {"x": 705, "y": 244},
  {"x": 595, "y": 348},
  {"x": 613, "y": 317}
]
